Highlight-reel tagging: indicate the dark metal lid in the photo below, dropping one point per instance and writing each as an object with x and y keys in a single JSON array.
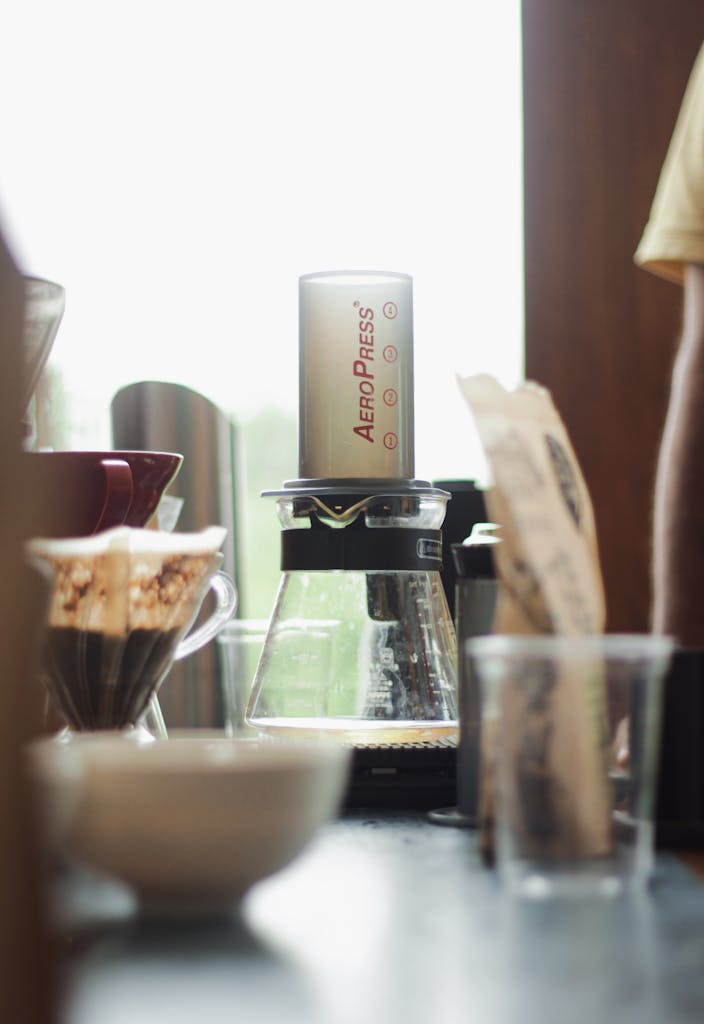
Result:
[{"x": 474, "y": 557}]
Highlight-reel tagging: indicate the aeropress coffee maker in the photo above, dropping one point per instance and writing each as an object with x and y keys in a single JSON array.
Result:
[{"x": 361, "y": 645}]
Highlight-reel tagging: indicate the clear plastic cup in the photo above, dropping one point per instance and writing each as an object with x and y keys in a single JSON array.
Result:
[{"x": 570, "y": 743}]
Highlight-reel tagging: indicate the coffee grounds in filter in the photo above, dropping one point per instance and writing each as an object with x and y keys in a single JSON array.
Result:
[
  {"x": 115, "y": 593},
  {"x": 120, "y": 603}
]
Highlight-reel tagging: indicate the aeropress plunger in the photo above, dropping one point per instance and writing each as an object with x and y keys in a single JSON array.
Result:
[{"x": 361, "y": 644}]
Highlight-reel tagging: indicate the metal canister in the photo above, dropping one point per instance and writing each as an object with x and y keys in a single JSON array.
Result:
[
  {"x": 164, "y": 416},
  {"x": 476, "y": 589}
]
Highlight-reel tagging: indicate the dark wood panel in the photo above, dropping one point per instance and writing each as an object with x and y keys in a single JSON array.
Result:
[{"x": 603, "y": 81}]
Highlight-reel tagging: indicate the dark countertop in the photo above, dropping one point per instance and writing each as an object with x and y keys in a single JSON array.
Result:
[{"x": 388, "y": 918}]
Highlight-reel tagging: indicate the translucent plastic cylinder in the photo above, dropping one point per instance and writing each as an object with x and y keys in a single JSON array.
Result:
[{"x": 356, "y": 376}]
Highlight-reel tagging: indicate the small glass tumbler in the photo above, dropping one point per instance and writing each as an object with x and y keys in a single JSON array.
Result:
[
  {"x": 570, "y": 744},
  {"x": 240, "y": 642}
]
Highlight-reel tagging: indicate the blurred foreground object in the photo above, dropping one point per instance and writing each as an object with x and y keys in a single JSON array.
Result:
[{"x": 26, "y": 992}]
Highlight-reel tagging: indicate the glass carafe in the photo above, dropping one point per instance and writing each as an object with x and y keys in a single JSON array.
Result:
[{"x": 367, "y": 653}]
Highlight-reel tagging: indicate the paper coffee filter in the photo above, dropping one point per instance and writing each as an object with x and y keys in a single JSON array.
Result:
[{"x": 133, "y": 540}]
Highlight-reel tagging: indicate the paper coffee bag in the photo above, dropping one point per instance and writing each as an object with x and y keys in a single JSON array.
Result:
[{"x": 550, "y": 582}]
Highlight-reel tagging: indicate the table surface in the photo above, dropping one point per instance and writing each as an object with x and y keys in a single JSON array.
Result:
[{"x": 388, "y": 918}]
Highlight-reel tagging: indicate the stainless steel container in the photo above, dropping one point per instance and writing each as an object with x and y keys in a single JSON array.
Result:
[
  {"x": 476, "y": 591},
  {"x": 162, "y": 416}
]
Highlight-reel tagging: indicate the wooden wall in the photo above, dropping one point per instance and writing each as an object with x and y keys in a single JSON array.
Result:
[{"x": 603, "y": 80}]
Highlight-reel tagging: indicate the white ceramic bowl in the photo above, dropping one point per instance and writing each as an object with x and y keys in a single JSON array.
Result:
[
  {"x": 55, "y": 779},
  {"x": 196, "y": 820}
]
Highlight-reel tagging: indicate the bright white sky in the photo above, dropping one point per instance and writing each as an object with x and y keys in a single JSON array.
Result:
[{"x": 177, "y": 166}]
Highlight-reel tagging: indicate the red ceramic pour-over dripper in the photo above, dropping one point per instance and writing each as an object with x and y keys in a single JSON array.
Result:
[{"x": 84, "y": 492}]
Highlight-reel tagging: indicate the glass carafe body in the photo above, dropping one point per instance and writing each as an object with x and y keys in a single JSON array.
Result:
[{"x": 367, "y": 655}]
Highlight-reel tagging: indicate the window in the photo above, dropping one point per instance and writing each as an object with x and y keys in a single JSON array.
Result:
[{"x": 177, "y": 166}]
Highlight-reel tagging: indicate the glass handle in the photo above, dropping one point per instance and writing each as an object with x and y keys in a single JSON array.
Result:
[
  {"x": 155, "y": 719},
  {"x": 226, "y": 603}
]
